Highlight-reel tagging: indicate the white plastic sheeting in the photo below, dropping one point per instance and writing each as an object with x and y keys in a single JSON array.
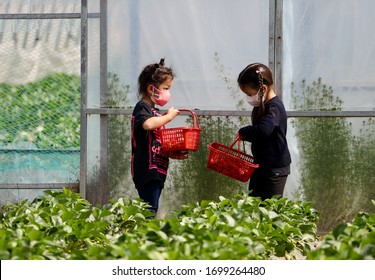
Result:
[
  {"x": 188, "y": 34},
  {"x": 333, "y": 40},
  {"x": 31, "y": 48},
  {"x": 327, "y": 39}
]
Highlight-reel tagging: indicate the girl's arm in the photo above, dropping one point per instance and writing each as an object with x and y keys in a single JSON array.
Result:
[
  {"x": 263, "y": 129},
  {"x": 156, "y": 122}
]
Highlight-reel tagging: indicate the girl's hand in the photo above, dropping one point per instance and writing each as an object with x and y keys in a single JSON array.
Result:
[{"x": 172, "y": 113}]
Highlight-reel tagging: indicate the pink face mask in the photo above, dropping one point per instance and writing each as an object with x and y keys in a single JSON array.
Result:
[{"x": 160, "y": 97}]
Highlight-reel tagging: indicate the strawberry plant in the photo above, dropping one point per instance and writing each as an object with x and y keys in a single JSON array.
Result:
[
  {"x": 350, "y": 241},
  {"x": 62, "y": 225}
]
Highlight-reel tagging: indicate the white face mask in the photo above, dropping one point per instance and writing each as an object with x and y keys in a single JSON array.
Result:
[{"x": 254, "y": 100}]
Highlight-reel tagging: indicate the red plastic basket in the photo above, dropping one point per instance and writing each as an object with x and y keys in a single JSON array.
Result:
[
  {"x": 185, "y": 138},
  {"x": 231, "y": 162}
]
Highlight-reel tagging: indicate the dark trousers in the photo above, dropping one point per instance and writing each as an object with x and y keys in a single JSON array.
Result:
[
  {"x": 265, "y": 184},
  {"x": 150, "y": 193}
]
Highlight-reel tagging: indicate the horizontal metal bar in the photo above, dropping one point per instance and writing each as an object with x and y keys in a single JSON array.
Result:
[
  {"x": 37, "y": 151},
  {"x": 346, "y": 114},
  {"x": 291, "y": 114},
  {"x": 93, "y": 15},
  {"x": 48, "y": 16},
  {"x": 108, "y": 111},
  {"x": 40, "y": 186}
]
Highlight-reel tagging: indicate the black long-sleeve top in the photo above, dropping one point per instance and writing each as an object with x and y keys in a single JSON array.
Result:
[{"x": 269, "y": 145}]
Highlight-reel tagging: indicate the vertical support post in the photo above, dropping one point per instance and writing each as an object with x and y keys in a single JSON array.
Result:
[
  {"x": 279, "y": 47},
  {"x": 83, "y": 132},
  {"x": 134, "y": 38},
  {"x": 276, "y": 42},
  {"x": 271, "y": 43},
  {"x": 103, "y": 196}
]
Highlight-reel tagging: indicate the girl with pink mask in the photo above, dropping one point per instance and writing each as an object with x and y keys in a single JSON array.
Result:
[{"x": 149, "y": 163}]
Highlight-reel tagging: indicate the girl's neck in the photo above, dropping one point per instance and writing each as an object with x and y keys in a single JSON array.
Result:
[
  {"x": 148, "y": 100},
  {"x": 271, "y": 94}
]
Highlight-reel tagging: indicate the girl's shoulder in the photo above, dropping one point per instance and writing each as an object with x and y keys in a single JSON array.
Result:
[
  {"x": 276, "y": 101},
  {"x": 141, "y": 105},
  {"x": 144, "y": 108},
  {"x": 275, "y": 106}
]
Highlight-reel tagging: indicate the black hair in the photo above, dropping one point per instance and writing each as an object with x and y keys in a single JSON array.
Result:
[{"x": 154, "y": 74}]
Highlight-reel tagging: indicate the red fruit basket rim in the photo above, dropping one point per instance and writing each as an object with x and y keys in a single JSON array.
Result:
[
  {"x": 231, "y": 162},
  {"x": 185, "y": 138}
]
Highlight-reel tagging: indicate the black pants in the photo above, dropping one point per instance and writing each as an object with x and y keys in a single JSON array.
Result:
[
  {"x": 265, "y": 184},
  {"x": 150, "y": 193}
]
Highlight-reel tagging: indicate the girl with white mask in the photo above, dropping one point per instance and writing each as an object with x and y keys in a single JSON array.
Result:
[{"x": 267, "y": 133}]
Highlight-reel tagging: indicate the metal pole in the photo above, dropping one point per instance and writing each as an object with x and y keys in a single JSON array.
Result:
[
  {"x": 271, "y": 39},
  {"x": 103, "y": 194},
  {"x": 275, "y": 53},
  {"x": 83, "y": 133},
  {"x": 279, "y": 47}
]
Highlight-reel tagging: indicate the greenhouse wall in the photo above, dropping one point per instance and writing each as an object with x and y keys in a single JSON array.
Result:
[
  {"x": 322, "y": 65},
  {"x": 40, "y": 97}
]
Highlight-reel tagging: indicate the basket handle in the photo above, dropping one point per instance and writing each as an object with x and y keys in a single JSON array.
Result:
[
  {"x": 238, "y": 140},
  {"x": 195, "y": 117}
]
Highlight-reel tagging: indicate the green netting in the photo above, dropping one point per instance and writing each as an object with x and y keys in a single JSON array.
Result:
[
  {"x": 39, "y": 160},
  {"x": 40, "y": 99},
  {"x": 40, "y": 129}
]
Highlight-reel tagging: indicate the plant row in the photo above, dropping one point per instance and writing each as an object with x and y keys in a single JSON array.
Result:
[{"x": 62, "y": 225}]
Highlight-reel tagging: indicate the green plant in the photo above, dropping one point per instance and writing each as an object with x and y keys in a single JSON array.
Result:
[
  {"x": 363, "y": 157},
  {"x": 333, "y": 163},
  {"x": 350, "y": 241},
  {"x": 119, "y": 131},
  {"x": 62, "y": 225}
]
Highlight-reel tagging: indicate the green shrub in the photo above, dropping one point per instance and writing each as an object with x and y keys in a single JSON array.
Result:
[{"x": 335, "y": 166}]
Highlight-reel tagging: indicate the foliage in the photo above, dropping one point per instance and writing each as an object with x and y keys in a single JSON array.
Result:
[
  {"x": 45, "y": 112},
  {"x": 334, "y": 164},
  {"x": 62, "y": 225},
  {"x": 57, "y": 224},
  {"x": 363, "y": 159},
  {"x": 119, "y": 132},
  {"x": 351, "y": 241}
]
